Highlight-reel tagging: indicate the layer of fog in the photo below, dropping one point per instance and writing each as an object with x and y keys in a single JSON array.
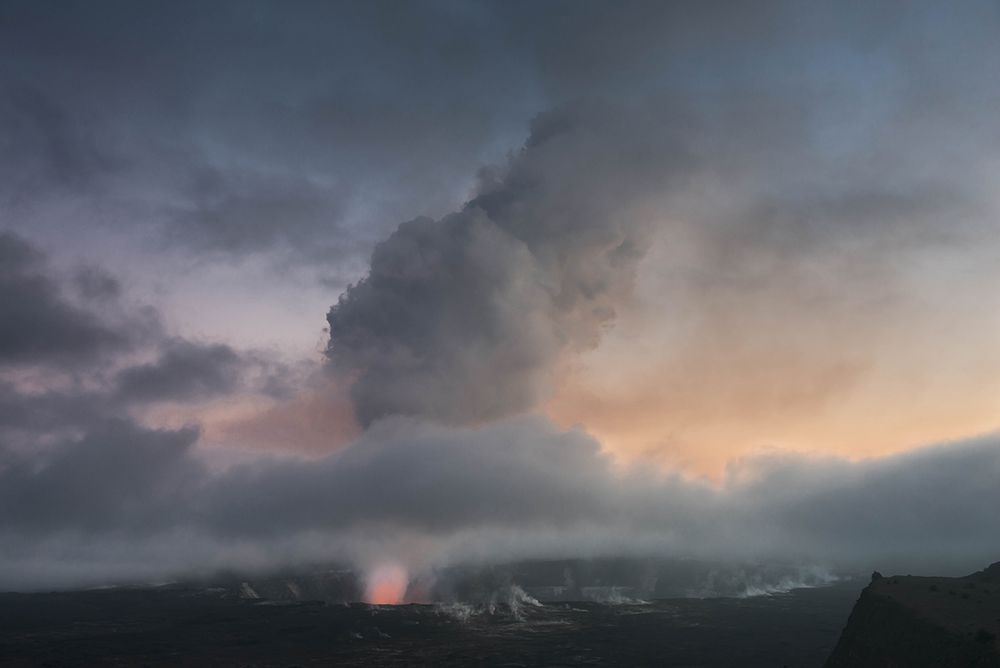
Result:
[{"x": 128, "y": 503}]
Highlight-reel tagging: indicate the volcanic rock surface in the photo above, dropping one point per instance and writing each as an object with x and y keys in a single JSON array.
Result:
[{"x": 913, "y": 621}]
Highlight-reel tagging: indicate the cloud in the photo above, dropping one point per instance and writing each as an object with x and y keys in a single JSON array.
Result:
[
  {"x": 429, "y": 495},
  {"x": 241, "y": 212},
  {"x": 118, "y": 477},
  {"x": 410, "y": 476},
  {"x": 465, "y": 318},
  {"x": 75, "y": 353},
  {"x": 314, "y": 416},
  {"x": 771, "y": 232},
  {"x": 184, "y": 371},
  {"x": 287, "y": 160},
  {"x": 39, "y": 324},
  {"x": 409, "y": 103},
  {"x": 97, "y": 284},
  {"x": 95, "y": 494},
  {"x": 780, "y": 204},
  {"x": 44, "y": 145}
]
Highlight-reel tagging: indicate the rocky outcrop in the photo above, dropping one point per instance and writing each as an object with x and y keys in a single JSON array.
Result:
[{"x": 906, "y": 621}]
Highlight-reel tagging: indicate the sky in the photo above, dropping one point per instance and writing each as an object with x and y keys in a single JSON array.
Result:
[{"x": 409, "y": 284}]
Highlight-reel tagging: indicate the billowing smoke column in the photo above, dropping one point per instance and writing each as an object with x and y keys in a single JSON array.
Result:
[
  {"x": 467, "y": 318},
  {"x": 471, "y": 318}
]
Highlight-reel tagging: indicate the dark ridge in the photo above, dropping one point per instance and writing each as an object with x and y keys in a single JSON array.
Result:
[{"x": 935, "y": 622}]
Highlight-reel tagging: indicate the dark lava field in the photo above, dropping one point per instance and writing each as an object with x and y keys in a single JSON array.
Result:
[{"x": 178, "y": 626}]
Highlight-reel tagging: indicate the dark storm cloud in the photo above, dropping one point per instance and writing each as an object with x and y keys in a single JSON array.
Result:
[
  {"x": 240, "y": 212},
  {"x": 43, "y": 145},
  {"x": 314, "y": 129},
  {"x": 94, "y": 283},
  {"x": 30, "y": 416},
  {"x": 39, "y": 324},
  {"x": 117, "y": 477},
  {"x": 465, "y": 318},
  {"x": 43, "y": 331},
  {"x": 318, "y": 128},
  {"x": 184, "y": 370}
]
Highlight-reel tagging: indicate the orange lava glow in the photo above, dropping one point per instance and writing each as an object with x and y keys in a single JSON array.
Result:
[{"x": 386, "y": 585}]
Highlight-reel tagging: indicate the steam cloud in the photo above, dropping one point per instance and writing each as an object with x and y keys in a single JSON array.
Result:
[
  {"x": 465, "y": 318},
  {"x": 130, "y": 503}
]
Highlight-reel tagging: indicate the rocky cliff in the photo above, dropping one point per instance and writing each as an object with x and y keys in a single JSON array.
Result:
[{"x": 911, "y": 622}]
